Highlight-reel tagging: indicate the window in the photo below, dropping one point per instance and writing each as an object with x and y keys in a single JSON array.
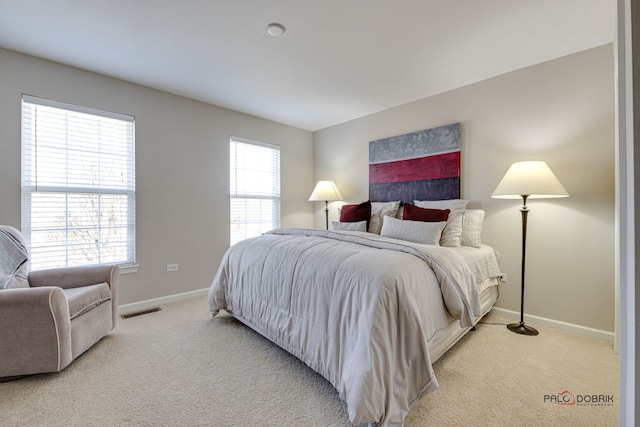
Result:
[
  {"x": 78, "y": 185},
  {"x": 255, "y": 188}
]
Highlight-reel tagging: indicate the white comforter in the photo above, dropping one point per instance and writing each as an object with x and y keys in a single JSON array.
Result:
[{"x": 357, "y": 308}]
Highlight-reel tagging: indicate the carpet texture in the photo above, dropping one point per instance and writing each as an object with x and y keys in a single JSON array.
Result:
[{"x": 180, "y": 367}]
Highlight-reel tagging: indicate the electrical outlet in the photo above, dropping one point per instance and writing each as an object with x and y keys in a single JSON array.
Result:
[
  {"x": 503, "y": 278},
  {"x": 172, "y": 267}
]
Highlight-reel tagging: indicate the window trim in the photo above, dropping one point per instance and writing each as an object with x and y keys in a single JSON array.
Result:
[
  {"x": 253, "y": 196},
  {"x": 77, "y": 108},
  {"x": 129, "y": 266}
]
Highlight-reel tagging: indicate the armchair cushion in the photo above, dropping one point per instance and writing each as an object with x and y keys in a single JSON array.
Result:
[
  {"x": 13, "y": 259},
  {"x": 85, "y": 298}
]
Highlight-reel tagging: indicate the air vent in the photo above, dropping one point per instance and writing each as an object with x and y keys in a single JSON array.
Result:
[{"x": 140, "y": 313}]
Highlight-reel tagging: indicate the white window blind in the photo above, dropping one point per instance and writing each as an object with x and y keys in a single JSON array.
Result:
[
  {"x": 255, "y": 188},
  {"x": 78, "y": 185}
]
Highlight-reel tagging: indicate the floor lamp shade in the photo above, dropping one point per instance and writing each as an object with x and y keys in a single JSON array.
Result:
[
  {"x": 325, "y": 191},
  {"x": 532, "y": 179}
]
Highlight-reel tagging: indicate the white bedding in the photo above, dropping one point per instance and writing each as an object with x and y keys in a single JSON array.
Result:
[
  {"x": 356, "y": 307},
  {"x": 482, "y": 261}
]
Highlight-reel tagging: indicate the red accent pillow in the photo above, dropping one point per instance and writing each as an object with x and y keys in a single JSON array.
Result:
[
  {"x": 355, "y": 213},
  {"x": 415, "y": 213}
]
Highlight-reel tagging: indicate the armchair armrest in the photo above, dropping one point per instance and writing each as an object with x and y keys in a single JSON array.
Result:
[
  {"x": 73, "y": 277},
  {"x": 36, "y": 331}
]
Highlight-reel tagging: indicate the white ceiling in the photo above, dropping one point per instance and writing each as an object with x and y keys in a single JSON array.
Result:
[{"x": 338, "y": 60}]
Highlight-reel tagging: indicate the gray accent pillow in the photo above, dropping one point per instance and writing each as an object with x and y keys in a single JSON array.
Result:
[
  {"x": 13, "y": 259},
  {"x": 428, "y": 233},
  {"x": 349, "y": 226}
]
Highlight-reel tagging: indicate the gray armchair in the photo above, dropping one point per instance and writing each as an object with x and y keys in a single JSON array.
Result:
[{"x": 50, "y": 317}]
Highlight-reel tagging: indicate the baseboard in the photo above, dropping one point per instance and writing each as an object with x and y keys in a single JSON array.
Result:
[
  {"x": 150, "y": 303},
  {"x": 555, "y": 324}
]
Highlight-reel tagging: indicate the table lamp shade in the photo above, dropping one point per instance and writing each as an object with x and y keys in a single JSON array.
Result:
[{"x": 533, "y": 179}]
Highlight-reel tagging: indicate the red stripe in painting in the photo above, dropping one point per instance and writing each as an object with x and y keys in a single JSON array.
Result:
[{"x": 423, "y": 168}]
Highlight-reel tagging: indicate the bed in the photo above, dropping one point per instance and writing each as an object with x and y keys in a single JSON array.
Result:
[
  {"x": 373, "y": 303},
  {"x": 370, "y": 313}
]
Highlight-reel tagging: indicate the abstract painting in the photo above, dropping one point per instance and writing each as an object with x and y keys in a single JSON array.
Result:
[{"x": 423, "y": 165}]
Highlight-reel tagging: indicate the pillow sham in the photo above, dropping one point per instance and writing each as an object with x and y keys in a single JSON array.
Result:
[
  {"x": 356, "y": 213},
  {"x": 452, "y": 233},
  {"x": 412, "y": 231},
  {"x": 400, "y": 211},
  {"x": 472, "y": 221},
  {"x": 380, "y": 209},
  {"x": 415, "y": 213},
  {"x": 350, "y": 226}
]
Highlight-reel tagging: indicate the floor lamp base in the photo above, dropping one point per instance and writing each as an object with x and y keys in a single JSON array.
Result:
[{"x": 521, "y": 328}]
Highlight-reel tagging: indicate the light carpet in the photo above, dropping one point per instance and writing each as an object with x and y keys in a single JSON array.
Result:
[{"x": 180, "y": 367}]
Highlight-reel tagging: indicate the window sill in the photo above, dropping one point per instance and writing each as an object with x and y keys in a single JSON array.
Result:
[{"x": 128, "y": 269}]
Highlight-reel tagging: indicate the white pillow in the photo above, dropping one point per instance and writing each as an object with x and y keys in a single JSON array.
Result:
[
  {"x": 472, "y": 221},
  {"x": 412, "y": 231},
  {"x": 451, "y": 204},
  {"x": 452, "y": 233},
  {"x": 380, "y": 209},
  {"x": 349, "y": 226}
]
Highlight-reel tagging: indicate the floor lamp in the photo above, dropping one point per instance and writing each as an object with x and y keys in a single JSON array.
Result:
[
  {"x": 527, "y": 180},
  {"x": 325, "y": 191}
]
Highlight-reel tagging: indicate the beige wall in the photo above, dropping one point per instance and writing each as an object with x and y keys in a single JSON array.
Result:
[
  {"x": 561, "y": 112},
  {"x": 182, "y": 168}
]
